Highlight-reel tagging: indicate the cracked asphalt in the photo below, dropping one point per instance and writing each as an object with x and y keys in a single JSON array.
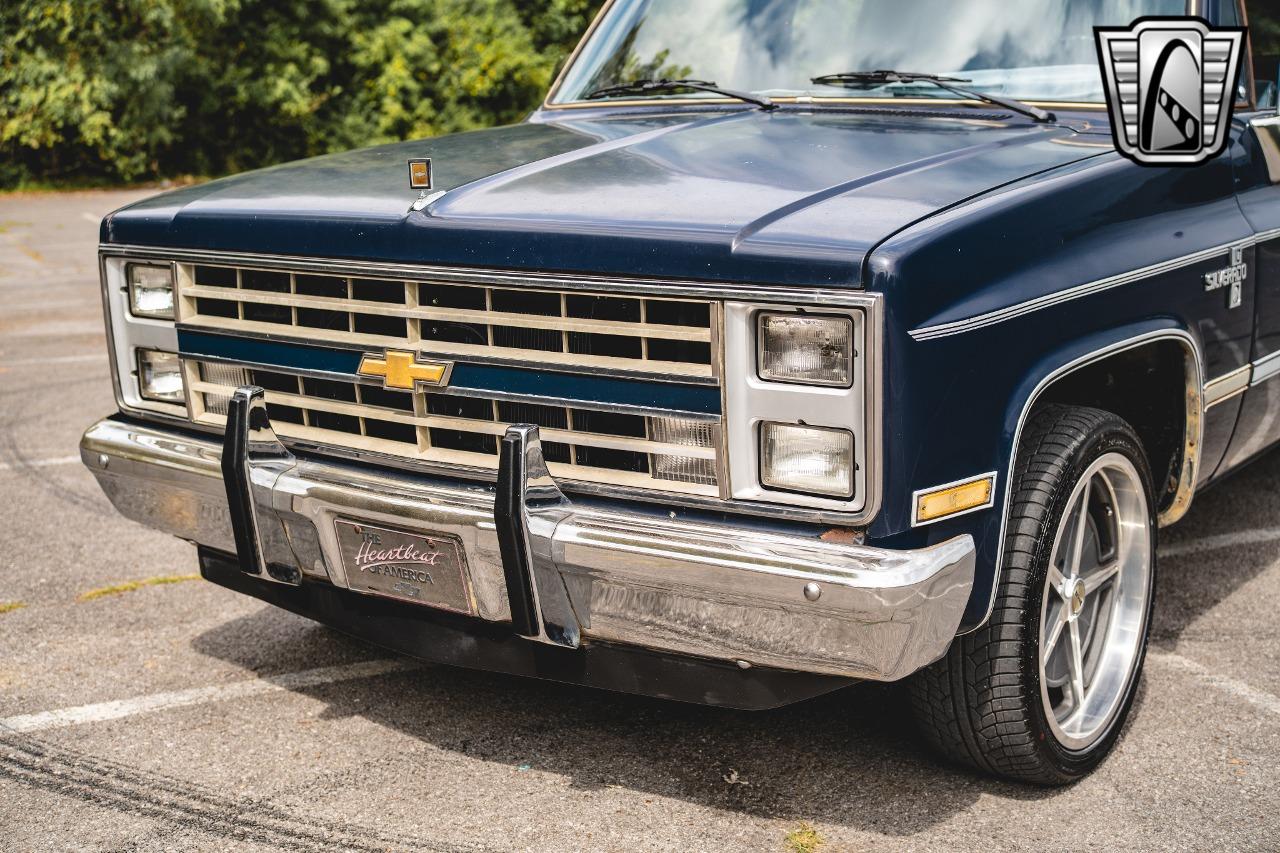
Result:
[{"x": 239, "y": 727}]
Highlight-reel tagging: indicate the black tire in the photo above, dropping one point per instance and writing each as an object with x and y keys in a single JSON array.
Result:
[{"x": 981, "y": 704}]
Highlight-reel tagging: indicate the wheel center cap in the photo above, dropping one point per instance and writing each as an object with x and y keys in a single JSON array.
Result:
[{"x": 1075, "y": 595}]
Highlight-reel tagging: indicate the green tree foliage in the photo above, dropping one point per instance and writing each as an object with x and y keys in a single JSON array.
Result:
[
  {"x": 122, "y": 90},
  {"x": 113, "y": 90}
]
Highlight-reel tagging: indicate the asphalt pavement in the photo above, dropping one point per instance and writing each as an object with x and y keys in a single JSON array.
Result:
[{"x": 142, "y": 709}]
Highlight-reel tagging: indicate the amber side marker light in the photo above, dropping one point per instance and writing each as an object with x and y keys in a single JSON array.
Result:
[{"x": 954, "y": 499}]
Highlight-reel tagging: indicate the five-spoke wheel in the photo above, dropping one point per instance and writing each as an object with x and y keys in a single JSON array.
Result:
[
  {"x": 1094, "y": 602},
  {"x": 1040, "y": 691}
]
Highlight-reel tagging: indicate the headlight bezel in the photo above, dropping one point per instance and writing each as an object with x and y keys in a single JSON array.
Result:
[
  {"x": 751, "y": 401},
  {"x": 127, "y": 334}
]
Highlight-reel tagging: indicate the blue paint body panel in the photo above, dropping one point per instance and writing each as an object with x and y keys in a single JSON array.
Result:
[{"x": 720, "y": 195}]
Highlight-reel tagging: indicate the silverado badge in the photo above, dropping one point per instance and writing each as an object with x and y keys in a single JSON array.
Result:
[
  {"x": 1171, "y": 87},
  {"x": 1232, "y": 277},
  {"x": 402, "y": 371}
]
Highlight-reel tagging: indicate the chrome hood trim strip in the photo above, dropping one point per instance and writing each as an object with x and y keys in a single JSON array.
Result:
[{"x": 815, "y": 295}]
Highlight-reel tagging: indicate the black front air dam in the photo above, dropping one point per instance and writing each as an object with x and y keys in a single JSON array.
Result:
[{"x": 446, "y": 638}]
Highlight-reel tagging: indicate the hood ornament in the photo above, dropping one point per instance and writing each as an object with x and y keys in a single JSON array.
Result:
[{"x": 420, "y": 173}]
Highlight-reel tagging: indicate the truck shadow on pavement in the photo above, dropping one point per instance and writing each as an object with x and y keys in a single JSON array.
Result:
[{"x": 850, "y": 758}]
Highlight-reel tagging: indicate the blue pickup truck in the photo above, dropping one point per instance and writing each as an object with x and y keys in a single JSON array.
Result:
[{"x": 743, "y": 370}]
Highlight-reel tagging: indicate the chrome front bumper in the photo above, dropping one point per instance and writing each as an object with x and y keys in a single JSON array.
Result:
[{"x": 728, "y": 592}]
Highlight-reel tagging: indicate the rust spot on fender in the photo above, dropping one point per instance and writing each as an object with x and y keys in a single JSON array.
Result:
[{"x": 842, "y": 536}]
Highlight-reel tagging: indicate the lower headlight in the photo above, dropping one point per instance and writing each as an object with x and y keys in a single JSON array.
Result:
[
  {"x": 813, "y": 460},
  {"x": 160, "y": 377}
]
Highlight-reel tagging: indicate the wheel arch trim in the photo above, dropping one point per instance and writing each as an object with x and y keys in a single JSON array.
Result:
[{"x": 1067, "y": 360}]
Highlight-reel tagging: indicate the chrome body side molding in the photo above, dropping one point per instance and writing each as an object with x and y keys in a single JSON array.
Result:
[
  {"x": 1267, "y": 367},
  {"x": 1227, "y": 386},
  {"x": 1236, "y": 382}
]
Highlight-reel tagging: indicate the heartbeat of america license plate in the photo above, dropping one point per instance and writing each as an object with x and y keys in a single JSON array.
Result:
[{"x": 426, "y": 570}]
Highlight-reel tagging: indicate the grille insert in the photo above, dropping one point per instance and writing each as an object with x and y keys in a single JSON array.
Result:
[{"x": 625, "y": 335}]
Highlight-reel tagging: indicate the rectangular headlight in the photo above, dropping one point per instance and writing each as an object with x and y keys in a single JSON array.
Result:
[
  {"x": 812, "y": 460},
  {"x": 150, "y": 291},
  {"x": 160, "y": 377},
  {"x": 807, "y": 349}
]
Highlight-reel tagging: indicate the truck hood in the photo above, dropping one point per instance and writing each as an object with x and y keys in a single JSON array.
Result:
[{"x": 780, "y": 198}]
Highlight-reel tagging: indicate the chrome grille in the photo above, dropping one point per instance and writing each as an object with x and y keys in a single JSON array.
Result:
[{"x": 569, "y": 331}]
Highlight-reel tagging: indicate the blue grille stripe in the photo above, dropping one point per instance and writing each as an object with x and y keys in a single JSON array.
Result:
[
  {"x": 273, "y": 353},
  {"x": 484, "y": 378}
]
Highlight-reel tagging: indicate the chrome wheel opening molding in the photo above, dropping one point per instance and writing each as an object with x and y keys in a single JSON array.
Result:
[{"x": 1094, "y": 606}]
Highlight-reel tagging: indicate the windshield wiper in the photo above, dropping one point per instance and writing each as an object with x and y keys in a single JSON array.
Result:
[
  {"x": 870, "y": 79},
  {"x": 640, "y": 87}
]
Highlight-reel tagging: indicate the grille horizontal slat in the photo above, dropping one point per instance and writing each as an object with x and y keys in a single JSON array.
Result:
[
  {"x": 450, "y": 349},
  {"x": 338, "y": 407},
  {"x": 497, "y": 318},
  {"x": 625, "y": 336}
]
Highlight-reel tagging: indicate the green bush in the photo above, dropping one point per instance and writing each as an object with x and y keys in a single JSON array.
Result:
[{"x": 122, "y": 90}]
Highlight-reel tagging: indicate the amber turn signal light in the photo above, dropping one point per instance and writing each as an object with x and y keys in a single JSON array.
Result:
[{"x": 954, "y": 499}]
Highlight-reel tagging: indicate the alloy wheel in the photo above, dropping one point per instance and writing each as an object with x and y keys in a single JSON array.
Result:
[{"x": 1095, "y": 601}]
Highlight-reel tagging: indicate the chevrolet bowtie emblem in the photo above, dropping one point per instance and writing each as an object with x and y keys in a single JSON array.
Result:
[{"x": 403, "y": 372}]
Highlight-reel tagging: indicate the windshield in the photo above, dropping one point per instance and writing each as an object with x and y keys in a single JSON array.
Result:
[{"x": 1030, "y": 49}]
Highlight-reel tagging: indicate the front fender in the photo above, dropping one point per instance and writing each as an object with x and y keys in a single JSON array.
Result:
[{"x": 973, "y": 424}]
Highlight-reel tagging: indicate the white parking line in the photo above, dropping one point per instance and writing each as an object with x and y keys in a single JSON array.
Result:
[
  {"x": 58, "y": 359},
  {"x": 1224, "y": 540},
  {"x": 1258, "y": 698},
  {"x": 103, "y": 711},
  {"x": 40, "y": 463},
  {"x": 90, "y": 217}
]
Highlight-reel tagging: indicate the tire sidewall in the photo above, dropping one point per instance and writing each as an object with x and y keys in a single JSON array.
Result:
[{"x": 1114, "y": 436}]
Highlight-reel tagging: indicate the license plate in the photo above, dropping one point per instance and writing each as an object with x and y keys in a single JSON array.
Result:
[{"x": 427, "y": 570}]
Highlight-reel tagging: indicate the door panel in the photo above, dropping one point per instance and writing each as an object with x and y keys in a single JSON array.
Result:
[{"x": 1258, "y": 177}]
